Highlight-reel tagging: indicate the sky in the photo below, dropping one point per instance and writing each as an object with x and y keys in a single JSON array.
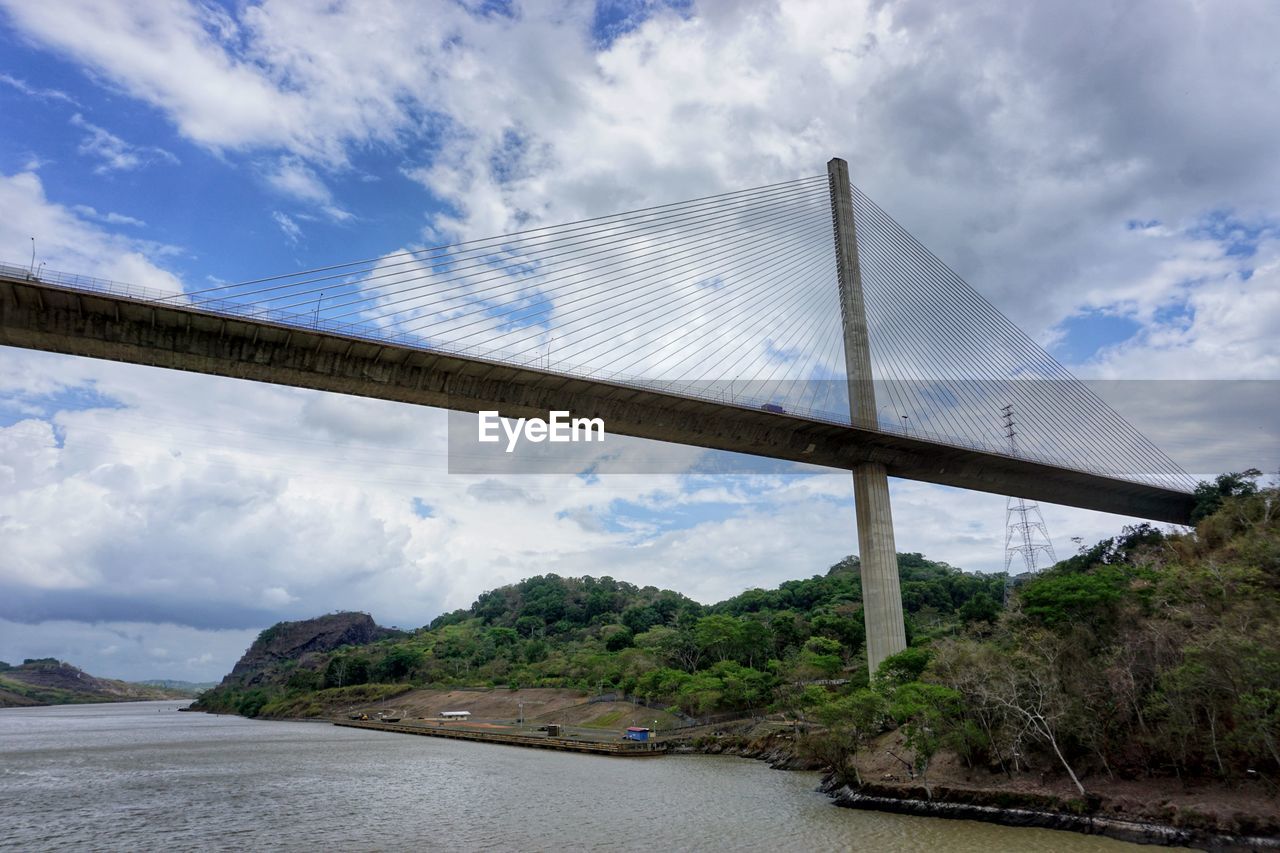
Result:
[{"x": 1108, "y": 176}]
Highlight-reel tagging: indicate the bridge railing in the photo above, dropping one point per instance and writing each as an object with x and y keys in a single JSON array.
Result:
[{"x": 236, "y": 310}]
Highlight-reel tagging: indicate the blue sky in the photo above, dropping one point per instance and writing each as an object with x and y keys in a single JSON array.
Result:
[
  {"x": 200, "y": 202},
  {"x": 155, "y": 519},
  {"x": 119, "y": 155}
]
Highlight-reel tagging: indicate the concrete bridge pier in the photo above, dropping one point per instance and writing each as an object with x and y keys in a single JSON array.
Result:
[{"x": 881, "y": 591}]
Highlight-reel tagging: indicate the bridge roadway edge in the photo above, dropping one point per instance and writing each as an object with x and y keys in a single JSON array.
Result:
[{"x": 40, "y": 316}]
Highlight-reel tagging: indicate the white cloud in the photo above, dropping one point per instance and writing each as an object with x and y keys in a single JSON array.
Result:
[
  {"x": 291, "y": 229},
  {"x": 126, "y": 650},
  {"x": 217, "y": 99},
  {"x": 43, "y": 94},
  {"x": 67, "y": 241},
  {"x": 996, "y": 149},
  {"x": 292, "y": 177},
  {"x": 1226, "y": 325},
  {"x": 108, "y": 218},
  {"x": 1015, "y": 142},
  {"x": 277, "y": 596},
  {"x": 115, "y": 154}
]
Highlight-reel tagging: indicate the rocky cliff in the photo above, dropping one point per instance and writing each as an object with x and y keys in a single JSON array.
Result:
[{"x": 302, "y": 642}]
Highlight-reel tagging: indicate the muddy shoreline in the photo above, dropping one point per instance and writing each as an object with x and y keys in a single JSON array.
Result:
[
  {"x": 990, "y": 805},
  {"x": 1136, "y": 830}
]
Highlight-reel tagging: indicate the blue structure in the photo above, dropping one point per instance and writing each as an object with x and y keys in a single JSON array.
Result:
[{"x": 636, "y": 733}]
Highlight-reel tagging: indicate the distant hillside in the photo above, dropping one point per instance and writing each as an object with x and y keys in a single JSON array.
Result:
[
  {"x": 601, "y": 634},
  {"x": 48, "y": 681},
  {"x": 186, "y": 688}
]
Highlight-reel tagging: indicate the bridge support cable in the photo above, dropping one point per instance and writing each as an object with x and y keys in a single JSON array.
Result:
[
  {"x": 512, "y": 254},
  {"x": 531, "y": 236},
  {"x": 658, "y": 295},
  {"x": 877, "y": 552},
  {"x": 499, "y": 272},
  {"x": 975, "y": 351},
  {"x": 725, "y": 298},
  {"x": 963, "y": 360}
]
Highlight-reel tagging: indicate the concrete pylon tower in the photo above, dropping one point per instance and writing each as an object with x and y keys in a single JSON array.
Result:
[{"x": 881, "y": 593}]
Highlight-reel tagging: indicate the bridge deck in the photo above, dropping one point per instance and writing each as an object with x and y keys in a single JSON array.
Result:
[{"x": 39, "y": 315}]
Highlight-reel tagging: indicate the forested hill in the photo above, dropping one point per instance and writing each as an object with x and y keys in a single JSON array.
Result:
[
  {"x": 549, "y": 605},
  {"x": 600, "y": 633},
  {"x": 1146, "y": 655},
  {"x": 49, "y": 681}
]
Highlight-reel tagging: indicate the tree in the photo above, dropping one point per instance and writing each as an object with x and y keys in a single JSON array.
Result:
[
  {"x": 980, "y": 608},
  {"x": 1210, "y": 496},
  {"x": 675, "y": 646},
  {"x": 252, "y": 703},
  {"x": 966, "y": 666},
  {"x": 530, "y": 626},
  {"x": 850, "y": 722},
  {"x": 305, "y": 680},
  {"x": 822, "y": 657},
  {"x": 346, "y": 670},
  {"x": 640, "y": 619},
  {"x": 849, "y": 630},
  {"x": 400, "y": 663},
  {"x": 901, "y": 668},
  {"x": 618, "y": 638},
  {"x": 1063, "y": 599},
  {"x": 786, "y": 630},
  {"x": 719, "y": 636},
  {"x": 926, "y": 713},
  {"x": 1259, "y": 729},
  {"x": 1027, "y": 690}
]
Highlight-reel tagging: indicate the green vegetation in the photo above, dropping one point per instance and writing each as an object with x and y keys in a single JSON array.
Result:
[
  {"x": 45, "y": 695},
  {"x": 748, "y": 654},
  {"x": 1145, "y": 655},
  {"x": 1210, "y": 496},
  {"x": 48, "y": 681}
]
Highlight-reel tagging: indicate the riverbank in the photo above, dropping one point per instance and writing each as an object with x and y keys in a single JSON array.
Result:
[
  {"x": 965, "y": 804},
  {"x": 1151, "y": 811},
  {"x": 1165, "y": 812},
  {"x": 1214, "y": 813},
  {"x": 530, "y": 704},
  {"x": 510, "y": 736},
  {"x": 130, "y": 778},
  {"x": 1158, "y": 812}
]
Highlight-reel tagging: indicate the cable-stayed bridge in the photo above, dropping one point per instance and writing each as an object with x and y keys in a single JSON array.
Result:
[{"x": 797, "y": 321}]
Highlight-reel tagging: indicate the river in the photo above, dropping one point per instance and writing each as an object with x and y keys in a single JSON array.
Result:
[{"x": 142, "y": 776}]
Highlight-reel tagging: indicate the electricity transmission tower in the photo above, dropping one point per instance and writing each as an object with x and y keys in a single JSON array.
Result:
[{"x": 1026, "y": 536}]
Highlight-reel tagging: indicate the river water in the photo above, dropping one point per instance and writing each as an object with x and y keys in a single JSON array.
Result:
[{"x": 142, "y": 776}]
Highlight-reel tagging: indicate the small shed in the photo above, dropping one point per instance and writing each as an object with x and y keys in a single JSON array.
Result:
[{"x": 636, "y": 733}]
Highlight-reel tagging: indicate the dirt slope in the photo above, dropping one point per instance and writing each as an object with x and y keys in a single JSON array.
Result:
[{"x": 541, "y": 705}]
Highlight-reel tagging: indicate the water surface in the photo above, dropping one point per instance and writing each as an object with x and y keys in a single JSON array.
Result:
[{"x": 142, "y": 776}]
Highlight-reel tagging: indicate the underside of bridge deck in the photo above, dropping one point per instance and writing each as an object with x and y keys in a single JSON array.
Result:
[{"x": 41, "y": 316}]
